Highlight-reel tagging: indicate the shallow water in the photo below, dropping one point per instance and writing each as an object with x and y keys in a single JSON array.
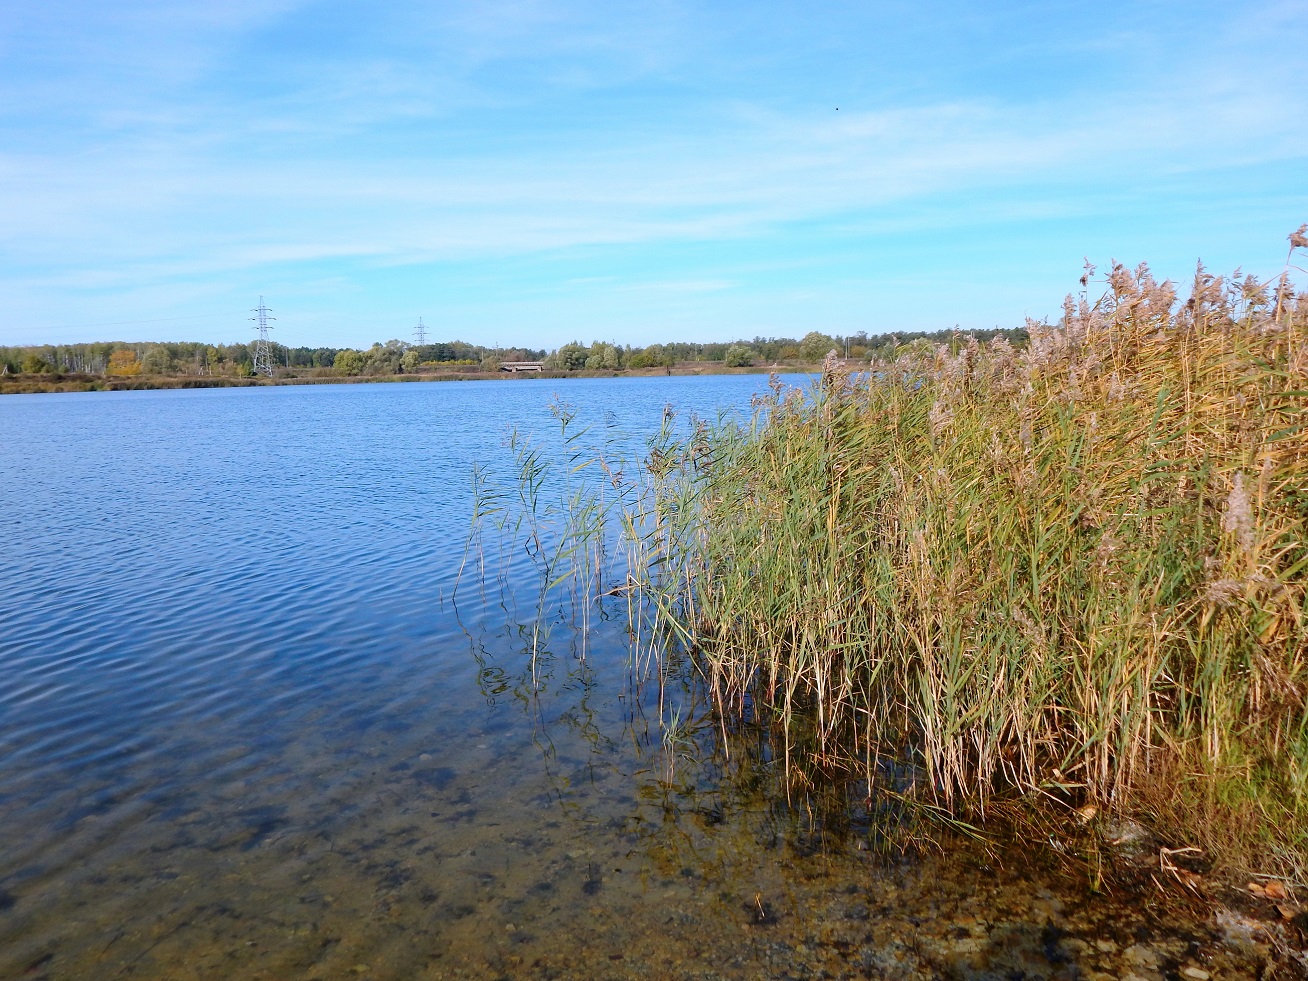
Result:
[{"x": 250, "y": 729}]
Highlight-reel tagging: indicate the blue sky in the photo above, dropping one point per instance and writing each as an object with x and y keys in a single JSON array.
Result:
[{"x": 535, "y": 172}]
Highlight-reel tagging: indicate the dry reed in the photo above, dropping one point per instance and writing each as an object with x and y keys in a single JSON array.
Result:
[{"x": 1073, "y": 572}]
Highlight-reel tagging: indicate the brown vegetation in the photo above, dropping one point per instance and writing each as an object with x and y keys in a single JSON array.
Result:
[{"x": 1072, "y": 575}]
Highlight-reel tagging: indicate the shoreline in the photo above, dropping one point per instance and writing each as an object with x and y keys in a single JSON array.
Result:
[{"x": 62, "y": 383}]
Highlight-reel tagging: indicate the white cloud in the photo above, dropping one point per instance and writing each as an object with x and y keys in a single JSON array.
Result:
[
  {"x": 178, "y": 206},
  {"x": 426, "y": 139}
]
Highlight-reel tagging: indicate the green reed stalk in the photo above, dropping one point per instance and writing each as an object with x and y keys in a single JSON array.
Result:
[{"x": 1074, "y": 572}]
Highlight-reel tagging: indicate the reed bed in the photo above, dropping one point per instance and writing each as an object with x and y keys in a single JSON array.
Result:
[{"x": 1072, "y": 574}]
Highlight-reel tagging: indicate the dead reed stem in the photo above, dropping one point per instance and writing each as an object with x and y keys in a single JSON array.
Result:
[{"x": 1064, "y": 571}]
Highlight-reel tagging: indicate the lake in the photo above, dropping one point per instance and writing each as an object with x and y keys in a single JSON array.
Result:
[{"x": 253, "y": 725}]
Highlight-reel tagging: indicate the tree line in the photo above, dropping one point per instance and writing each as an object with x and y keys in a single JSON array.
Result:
[{"x": 401, "y": 357}]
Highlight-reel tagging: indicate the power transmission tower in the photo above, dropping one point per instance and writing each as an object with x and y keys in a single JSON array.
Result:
[
  {"x": 262, "y": 351},
  {"x": 420, "y": 334}
]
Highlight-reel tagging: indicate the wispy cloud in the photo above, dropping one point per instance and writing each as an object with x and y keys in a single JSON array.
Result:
[
  {"x": 151, "y": 203},
  {"x": 680, "y": 286},
  {"x": 283, "y": 140}
]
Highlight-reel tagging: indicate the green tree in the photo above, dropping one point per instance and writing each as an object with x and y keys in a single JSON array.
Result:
[
  {"x": 814, "y": 346},
  {"x": 350, "y": 362},
  {"x": 571, "y": 357},
  {"x": 640, "y": 359},
  {"x": 384, "y": 359},
  {"x": 738, "y": 356},
  {"x": 919, "y": 345},
  {"x": 661, "y": 356},
  {"x": 610, "y": 357},
  {"x": 157, "y": 361}
]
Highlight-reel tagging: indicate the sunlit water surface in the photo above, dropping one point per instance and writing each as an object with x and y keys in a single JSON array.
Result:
[{"x": 250, "y": 729}]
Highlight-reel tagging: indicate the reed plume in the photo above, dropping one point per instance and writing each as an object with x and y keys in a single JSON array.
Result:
[{"x": 1072, "y": 573}]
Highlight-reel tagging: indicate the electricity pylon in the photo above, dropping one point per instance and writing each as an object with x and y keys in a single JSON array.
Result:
[
  {"x": 420, "y": 333},
  {"x": 262, "y": 351}
]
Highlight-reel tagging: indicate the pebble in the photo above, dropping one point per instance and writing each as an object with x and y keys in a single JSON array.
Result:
[
  {"x": 1198, "y": 973},
  {"x": 1237, "y": 929},
  {"x": 1048, "y": 908},
  {"x": 1125, "y": 832},
  {"x": 1141, "y": 956}
]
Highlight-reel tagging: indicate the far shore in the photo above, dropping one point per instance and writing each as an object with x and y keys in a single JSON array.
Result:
[{"x": 28, "y": 384}]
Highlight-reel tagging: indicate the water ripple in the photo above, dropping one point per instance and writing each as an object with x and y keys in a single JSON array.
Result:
[{"x": 224, "y": 609}]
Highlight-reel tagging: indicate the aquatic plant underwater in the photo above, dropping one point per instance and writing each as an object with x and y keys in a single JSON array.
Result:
[{"x": 1064, "y": 580}]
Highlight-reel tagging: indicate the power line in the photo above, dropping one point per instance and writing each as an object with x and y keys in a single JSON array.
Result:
[{"x": 262, "y": 352}]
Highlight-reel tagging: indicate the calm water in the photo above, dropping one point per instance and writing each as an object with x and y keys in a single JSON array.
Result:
[{"x": 249, "y": 730}]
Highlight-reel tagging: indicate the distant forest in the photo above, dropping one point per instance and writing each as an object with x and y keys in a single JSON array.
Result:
[{"x": 189, "y": 358}]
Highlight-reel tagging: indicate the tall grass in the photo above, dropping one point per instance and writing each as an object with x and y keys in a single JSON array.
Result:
[{"x": 1074, "y": 572}]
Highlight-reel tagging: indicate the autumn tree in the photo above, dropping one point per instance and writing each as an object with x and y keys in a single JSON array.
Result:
[{"x": 123, "y": 361}]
